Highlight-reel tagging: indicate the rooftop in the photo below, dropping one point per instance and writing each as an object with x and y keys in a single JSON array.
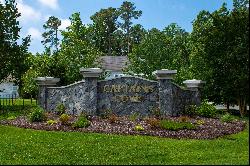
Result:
[{"x": 114, "y": 63}]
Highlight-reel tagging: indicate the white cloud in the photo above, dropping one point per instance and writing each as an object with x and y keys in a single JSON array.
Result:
[
  {"x": 27, "y": 12},
  {"x": 35, "y": 33},
  {"x": 65, "y": 24},
  {"x": 53, "y": 4},
  {"x": 2, "y": 1}
]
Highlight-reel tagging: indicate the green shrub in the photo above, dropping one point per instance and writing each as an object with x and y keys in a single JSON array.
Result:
[
  {"x": 64, "y": 118},
  {"x": 37, "y": 115},
  {"x": 206, "y": 110},
  {"x": 134, "y": 116},
  {"x": 51, "y": 122},
  {"x": 60, "y": 109},
  {"x": 200, "y": 122},
  {"x": 156, "y": 112},
  {"x": 11, "y": 117},
  {"x": 171, "y": 125},
  {"x": 227, "y": 118},
  {"x": 138, "y": 128},
  {"x": 85, "y": 114},
  {"x": 106, "y": 113},
  {"x": 190, "y": 110},
  {"x": 81, "y": 122}
]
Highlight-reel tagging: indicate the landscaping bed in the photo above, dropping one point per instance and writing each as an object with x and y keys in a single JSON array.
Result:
[{"x": 204, "y": 128}]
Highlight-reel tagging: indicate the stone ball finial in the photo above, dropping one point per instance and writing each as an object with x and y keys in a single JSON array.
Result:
[
  {"x": 48, "y": 81},
  {"x": 91, "y": 72},
  {"x": 165, "y": 74}
]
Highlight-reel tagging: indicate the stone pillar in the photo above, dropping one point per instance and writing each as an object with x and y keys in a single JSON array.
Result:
[
  {"x": 43, "y": 83},
  {"x": 166, "y": 102},
  {"x": 194, "y": 86},
  {"x": 91, "y": 76}
]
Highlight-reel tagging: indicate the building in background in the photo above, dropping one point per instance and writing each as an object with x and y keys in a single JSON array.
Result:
[
  {"x": 8, "y": 89},
  {"x": 113, "y": 65}
]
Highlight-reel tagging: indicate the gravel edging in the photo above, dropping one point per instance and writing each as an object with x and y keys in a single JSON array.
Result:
[{"x": 211, "y": 129}]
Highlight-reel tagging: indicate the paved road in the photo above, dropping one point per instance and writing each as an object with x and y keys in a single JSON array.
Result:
[{"x": 224, "y": 107}]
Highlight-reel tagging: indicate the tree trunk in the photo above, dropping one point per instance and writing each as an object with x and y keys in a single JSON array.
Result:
[
  {"x": 242, "y": 106},
  {"x": 109, "y": 49},
  {"x": 56, "y": 42},
  {"x": 227, "y": 103},
  {"x": 128, "y": 39}
]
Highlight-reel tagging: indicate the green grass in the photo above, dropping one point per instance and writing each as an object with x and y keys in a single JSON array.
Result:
[
  {"x": 26, "y": 146},
  {"x": 16, "y": 108},
  {"x": 18, "y": 101},
  {"x": 172, "y": 125}
]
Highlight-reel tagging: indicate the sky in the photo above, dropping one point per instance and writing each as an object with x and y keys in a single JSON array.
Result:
[{"x": 155, "y": 13}]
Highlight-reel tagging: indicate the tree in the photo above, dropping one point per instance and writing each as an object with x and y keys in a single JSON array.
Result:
[
  {"x": 137, "y": 33},
  {"x": 40, "y": 65},
  {"x": 76, "y": 50},
  {"x": 103, "y": 28},
  {"x": 12, "y": 55},
  {"x": 127, "y": 13},
  {"x": 160, "y": 50},
  {"x": 220, "y": 53},
  {"x": 51, "y": 35}
]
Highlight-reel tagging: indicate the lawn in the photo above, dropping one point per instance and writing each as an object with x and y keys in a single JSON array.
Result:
[
  {"x": 27, "y": 146},
  {"x": 16, "y": 107},
  {"x": 17, "y": 101}
]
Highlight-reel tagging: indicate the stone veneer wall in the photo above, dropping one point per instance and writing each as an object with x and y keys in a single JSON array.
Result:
[
  {"x": 72, "y": 96},
  {"x": 182, "y": 98},
  {"x": 124, "y": 96}
]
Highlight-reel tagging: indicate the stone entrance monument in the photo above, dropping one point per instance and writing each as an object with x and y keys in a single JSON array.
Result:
[{"x": 123, "y": 96}]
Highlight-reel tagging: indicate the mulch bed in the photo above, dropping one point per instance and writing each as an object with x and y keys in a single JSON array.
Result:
[{"x": 212, "y": 128}]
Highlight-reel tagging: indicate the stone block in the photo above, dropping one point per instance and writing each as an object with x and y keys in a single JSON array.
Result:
[
  {"x": 165, "y": 74},
  {"x": 193, "y": 84},
  {"x": 91, "y": 72}
]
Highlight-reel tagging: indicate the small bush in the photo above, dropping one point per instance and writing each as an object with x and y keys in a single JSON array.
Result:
[
  {"x": 171, "y": 125},
  {"x": 227, "y": 118},
  {"x": 60, "y": 109},
  {"x": 86, "y": 115},
  {"x": 153, "y": 122},
  {"x": 46, "y": 115},
  {"x": 200, "y": 122},
  {"x": 37, "y": 115},
  {"x": 134, "y": 116},
  {"x": 81, "y": 122},
  {"x": 113, "y": 118},
  {"x": 190, "y": 110},
  {"x": 11, "y": 118},
  {"x": 184, "y": 119},
  {"x": 206, "y": 110},
  {"x": 138, "y": 128},
  {"x": 51, "y": 122},
  {"x": 106, "y": 113},
  {"x": 156, "y": 112},
  {"x": 64, "y": 118}
]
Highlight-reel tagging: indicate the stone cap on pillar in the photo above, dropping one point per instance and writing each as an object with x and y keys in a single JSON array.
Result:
[
  {"x": 165, "y": 74},
  {"x": 194, "y": 83},
  {"x": 91, "y": 72},
  {"x": 48, "y": 81}
]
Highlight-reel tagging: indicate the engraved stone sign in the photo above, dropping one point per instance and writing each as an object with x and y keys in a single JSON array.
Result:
[{"x": 127, "y": 95}]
